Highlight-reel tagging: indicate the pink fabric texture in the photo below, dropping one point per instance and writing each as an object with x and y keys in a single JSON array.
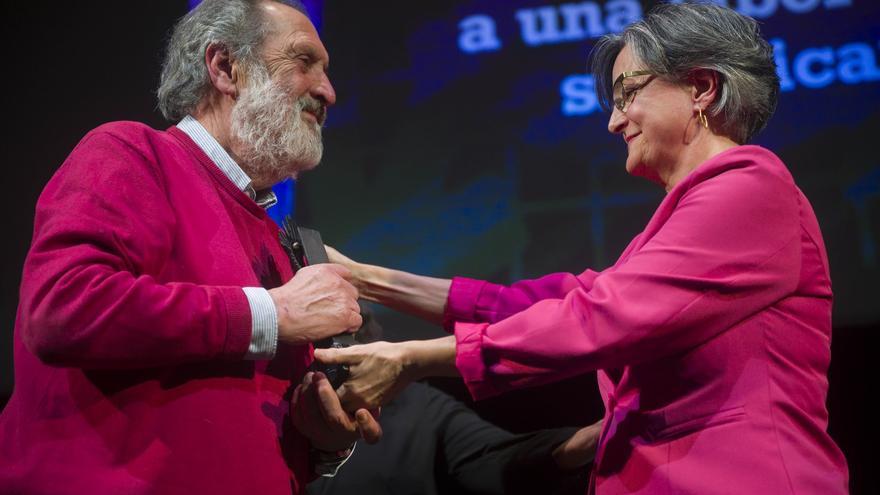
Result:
[
  {"x": 711, "y": 335},
  {"x": 131, "y": 329}
]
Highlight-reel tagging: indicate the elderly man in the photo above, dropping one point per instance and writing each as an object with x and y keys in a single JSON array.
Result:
[{"x": 159, "y": 327}]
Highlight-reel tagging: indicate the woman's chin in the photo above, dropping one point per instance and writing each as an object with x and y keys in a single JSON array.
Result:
[
  {"x": 631, "y": 166},
  {"x": 636, "y": 168}
]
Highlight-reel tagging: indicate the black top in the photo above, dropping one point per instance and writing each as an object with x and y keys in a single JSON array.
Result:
[{"x": 433, "y": 444}]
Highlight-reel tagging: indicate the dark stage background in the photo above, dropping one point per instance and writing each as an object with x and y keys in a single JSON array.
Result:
[{"x": 466, "y": 140}]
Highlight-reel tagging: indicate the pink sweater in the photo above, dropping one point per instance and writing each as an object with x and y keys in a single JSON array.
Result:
[
  {"x": 131, "y": 329},
  {"x": 712, "y": 335}
]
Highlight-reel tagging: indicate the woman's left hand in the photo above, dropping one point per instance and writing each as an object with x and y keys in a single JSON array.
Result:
[
  {"x": 377, "y": 373},
  {"x": 381, "y": 370}
]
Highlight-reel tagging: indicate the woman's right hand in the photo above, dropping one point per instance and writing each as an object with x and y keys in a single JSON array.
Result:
[
  {"x": 339, "y": 258},
  {"x": 358, "y": 276},
  {"x": 424, "y": 297}
]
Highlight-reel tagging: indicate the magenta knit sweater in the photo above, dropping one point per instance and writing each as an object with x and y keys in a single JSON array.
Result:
[{"x": 132, "y": 325}]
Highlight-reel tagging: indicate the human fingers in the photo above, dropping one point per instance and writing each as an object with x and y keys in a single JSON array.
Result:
[
  {"x": 340, "y": 270},
  {"x": 329, "y": 405},
  {"x": 368, "y": 425},
  {"x": 304, "y": 414},
  {"x": 355, "y": 321},
  {"x": 347, "y": 355},
  {"x": 335, "y": 256}
]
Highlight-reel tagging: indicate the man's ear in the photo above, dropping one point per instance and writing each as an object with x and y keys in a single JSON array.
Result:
[
  {"x": 222, "y": 70},
  {"x": 705, "y": 87}
]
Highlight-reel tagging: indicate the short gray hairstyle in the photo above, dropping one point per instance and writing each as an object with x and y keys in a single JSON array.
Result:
[
  {"x": 674, "y": 40},
  {"x": 238, "y": 25}
]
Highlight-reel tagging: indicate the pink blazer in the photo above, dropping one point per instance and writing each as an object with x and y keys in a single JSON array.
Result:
[{"x": 711, "y": 335}]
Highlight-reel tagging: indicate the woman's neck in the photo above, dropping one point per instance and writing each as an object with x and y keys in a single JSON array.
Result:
[{"x": 698, "y": 151}]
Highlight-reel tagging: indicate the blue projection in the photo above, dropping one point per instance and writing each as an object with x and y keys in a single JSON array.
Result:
[{"x": 469, "y": 136}]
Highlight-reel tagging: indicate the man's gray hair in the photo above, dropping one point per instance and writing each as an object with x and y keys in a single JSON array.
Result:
[
  {"x": 673, "y": 41},
  {"x": 237, "y": 25}
]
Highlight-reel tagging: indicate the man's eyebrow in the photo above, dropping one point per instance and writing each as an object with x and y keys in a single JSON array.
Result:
[{"x": 306, "y": 49}]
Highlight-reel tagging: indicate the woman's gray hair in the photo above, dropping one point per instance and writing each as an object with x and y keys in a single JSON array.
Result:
[
  {"x": 674, "y": 40},
  {"x": 237, "y": 25}
]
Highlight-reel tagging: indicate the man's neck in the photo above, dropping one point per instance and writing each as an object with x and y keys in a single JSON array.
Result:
[
  {"x": 217, "y": 120},
  {"x": 218, "y": 126}
]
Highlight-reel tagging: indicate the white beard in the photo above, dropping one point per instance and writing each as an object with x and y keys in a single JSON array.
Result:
[{"x": 272, "y": 140}]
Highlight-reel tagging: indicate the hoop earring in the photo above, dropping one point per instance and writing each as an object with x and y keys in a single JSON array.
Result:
[{"x": 703, "y": 119}]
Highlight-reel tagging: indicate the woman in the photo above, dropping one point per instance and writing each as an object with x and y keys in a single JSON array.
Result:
[{"x": 711, "y": 333}]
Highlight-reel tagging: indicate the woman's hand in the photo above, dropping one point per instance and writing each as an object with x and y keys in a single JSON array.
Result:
[
  {"x": 579, "y": 449},
  {"x": 377, "y": 373},
  {"x": 424, "y": 297},
  {"x": 355, "y": 268},
  {"x": 339, "y": 258},
  {"x": 381, "y": 370}
]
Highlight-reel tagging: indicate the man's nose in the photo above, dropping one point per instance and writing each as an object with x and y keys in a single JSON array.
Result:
[{"x": 324, "y": 91}]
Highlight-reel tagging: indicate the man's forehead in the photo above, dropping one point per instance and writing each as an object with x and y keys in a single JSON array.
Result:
[{"x": 291, "y": 29}]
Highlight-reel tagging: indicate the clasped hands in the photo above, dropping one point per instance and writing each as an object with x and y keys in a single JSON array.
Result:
[
  {"x": 334, "y": 419},
  {"x": 381, "y": 370},
  {"x": 321, "y": 302}
]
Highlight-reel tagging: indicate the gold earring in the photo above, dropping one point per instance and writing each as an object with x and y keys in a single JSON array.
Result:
[{"x": 703, "y": 119}]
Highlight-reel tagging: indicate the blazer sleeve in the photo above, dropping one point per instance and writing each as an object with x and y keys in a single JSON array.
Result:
[
  {"x": 90, "y": 298},
  {"x": 729, "y": 249},
  {"x": 473, "y": 300}
]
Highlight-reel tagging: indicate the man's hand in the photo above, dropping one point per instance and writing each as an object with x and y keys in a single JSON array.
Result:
[
  {"x": 317, "y": 414},
  {"x": 315, "y": 304}
]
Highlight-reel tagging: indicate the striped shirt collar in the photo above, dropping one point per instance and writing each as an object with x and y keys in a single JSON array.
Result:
[{"x": 194, "y": 129}]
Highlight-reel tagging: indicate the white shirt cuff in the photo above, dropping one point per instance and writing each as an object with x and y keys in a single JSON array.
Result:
[{"x": 264, "y": 324}]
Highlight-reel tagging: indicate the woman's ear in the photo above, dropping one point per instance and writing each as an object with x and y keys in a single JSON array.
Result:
[{"x": 704, "y": 89}]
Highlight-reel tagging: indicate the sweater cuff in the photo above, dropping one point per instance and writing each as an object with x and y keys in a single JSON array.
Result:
[
  {"x": 238, "y": 322},
  {"x": 461, "y": 303},
  {"x": 469, "y": 359}
]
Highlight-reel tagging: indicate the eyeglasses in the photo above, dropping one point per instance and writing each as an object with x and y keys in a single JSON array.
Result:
[{"x": 623, "y": 95}]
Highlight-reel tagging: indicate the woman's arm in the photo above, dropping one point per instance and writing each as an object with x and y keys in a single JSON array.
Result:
[
  {"x": 444, "y": 301},
  {"x": 417, "y": 295}
]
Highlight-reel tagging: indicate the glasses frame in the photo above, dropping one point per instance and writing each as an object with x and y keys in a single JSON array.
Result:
[{"x": 628, "y": 95}]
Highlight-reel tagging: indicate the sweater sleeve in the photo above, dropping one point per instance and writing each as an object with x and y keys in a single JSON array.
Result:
[
  {"x": 730, "y": 249},
  {"x": 90, "y": 297}
]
